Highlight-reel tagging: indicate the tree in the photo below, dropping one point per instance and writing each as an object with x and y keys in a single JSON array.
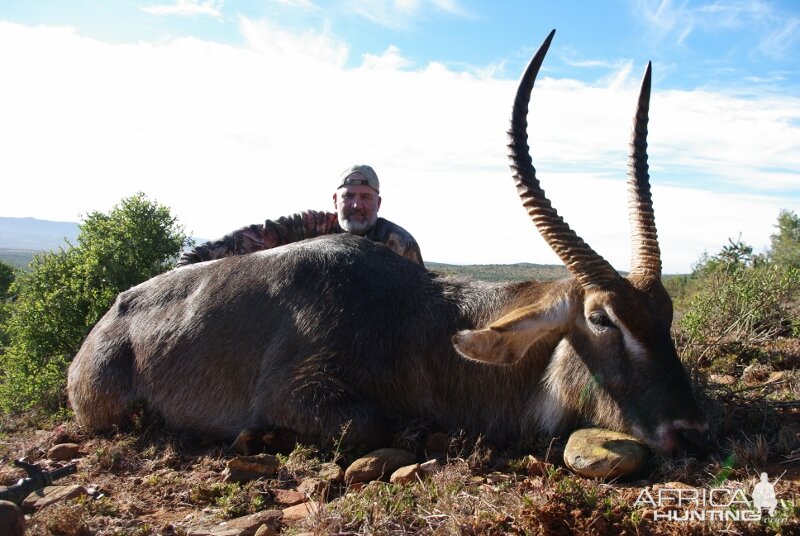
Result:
[
  {"x": 785, "y": 247},
  {"x": 7, "y": 274},
  {"x": 66, "y": 292},
  {"x": 6, "y": 278}
]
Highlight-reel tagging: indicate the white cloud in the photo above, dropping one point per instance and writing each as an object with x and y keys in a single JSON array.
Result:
[
  {"x": 390, "y": 59},
  {"x": 227, "y": 136},
  {"x": 301, "y": 4},
  {"x": 275, "y": 44},
  {"x": 401, "y": 13},
  {"x": 187, "y": 8},
  {"x": 776, "y": 32},
  {"x": 781, "y": 39}
]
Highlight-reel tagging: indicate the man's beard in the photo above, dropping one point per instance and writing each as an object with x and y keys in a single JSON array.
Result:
[{"x": 358, "y": 227}]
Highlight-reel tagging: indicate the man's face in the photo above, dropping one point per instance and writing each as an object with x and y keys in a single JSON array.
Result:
[{"x": 357, "y": 206}]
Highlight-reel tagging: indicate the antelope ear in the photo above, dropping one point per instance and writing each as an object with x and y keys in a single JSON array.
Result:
[{"x": 507, "y": 340}]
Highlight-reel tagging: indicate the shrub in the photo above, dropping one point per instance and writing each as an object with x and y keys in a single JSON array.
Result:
[
  {"x": 66, "y": 292},
  {"x": 742, "y": 302},
  {"x": 7, "y": 275},
  {"x": 785, "y": 244}
]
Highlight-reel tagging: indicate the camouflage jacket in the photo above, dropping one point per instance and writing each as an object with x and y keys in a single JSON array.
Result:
[{"x": 299, "y": 226}]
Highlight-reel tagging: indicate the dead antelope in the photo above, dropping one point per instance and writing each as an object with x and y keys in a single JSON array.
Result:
[{"x": 335, "y": 330}]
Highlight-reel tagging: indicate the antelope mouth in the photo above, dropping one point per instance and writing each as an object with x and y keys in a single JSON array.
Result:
[{"x": 680, "y": 439}]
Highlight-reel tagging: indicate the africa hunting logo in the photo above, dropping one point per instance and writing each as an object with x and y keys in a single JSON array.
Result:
[{"x": 714, "y": 504}]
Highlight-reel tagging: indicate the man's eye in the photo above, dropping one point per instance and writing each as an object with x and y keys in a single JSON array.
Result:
[{"x": 600, "y": 320}]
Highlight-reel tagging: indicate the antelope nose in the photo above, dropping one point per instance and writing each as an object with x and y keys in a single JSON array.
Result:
[{"x": 692, "y": 442}]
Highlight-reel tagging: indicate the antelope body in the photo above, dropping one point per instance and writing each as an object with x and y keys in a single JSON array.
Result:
[{"x": 335, "y": 330}]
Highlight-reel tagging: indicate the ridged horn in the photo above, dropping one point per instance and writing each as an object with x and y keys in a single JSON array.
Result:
[
  {"x": 645, "y": 253},
  {"x": 589, "y": 268}
]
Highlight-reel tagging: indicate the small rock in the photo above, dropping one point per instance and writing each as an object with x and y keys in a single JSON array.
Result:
[
  {"x": 671, "y": 485},
  {"x": 52, "y": 495},
  {"x": 246, "y": 468},
  {"x": 312, "y": 486},
  {"x": 285, "y": 497},
  {"x": 224, "y": 531},
  {"x": 299, "y": 512},
  {"x": 331, "y": 472},
  {"x": 377, "y": 464},
  {"x": 599, "y": 453},
  {"x": 241, "y": 526},
  {"x": 722, "y": 379},
  {"x": 497, "y": 478},
  {"x": 431, "y": 467},
  {"x": 247, "y": 525},
  {"x": 64, "y": 452},
  {"x": 12, "y": 520},
  {"x": 406, "y": 474},
  {"x": 537, "y": 467},
  {"x": 198, "y": 531},
  {"x": 778, "y": 376},
  {"x": 357, "y": 486},
  {"x": 265, "y": 530}
]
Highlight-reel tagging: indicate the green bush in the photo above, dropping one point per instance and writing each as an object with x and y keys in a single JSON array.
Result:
[
  {"x": 743, "y": 303},
  {"x": 66, "y": 292},
  {"x": 737, "y": 296},
  {"x": 7, "y": 275},
  {"x": 785, "y": 244}
]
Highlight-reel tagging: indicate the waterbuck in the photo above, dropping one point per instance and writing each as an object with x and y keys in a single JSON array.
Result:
[{"x": 334, "y": 330}]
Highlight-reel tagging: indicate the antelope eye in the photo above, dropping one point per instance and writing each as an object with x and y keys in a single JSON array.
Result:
[{"x": 600, "y": 320}]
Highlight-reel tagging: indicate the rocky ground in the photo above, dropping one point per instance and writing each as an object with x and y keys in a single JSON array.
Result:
[{"x": 150, "y": 481}]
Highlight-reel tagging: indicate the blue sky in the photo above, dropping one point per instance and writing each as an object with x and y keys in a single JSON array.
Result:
[{"x": 232, "y": 112}]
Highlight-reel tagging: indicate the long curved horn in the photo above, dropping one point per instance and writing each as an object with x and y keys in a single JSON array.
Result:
[
  {"x": 589, "y": 268},
  {"x": 645, "y": 253}
]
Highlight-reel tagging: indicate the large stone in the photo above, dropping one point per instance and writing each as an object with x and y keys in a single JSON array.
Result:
[
  {"x": 377, "y": 464},
  {"x": 246, "y": 468},
  {"x": 52, "y": 495},
  {"x": 599, "y": 453},
  {"x": 64, "y": 451}
]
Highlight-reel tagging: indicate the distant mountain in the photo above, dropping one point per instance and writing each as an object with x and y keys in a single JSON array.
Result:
[
  {"x": 36, "y": 235},
  {"x": 502, "y": 272}
]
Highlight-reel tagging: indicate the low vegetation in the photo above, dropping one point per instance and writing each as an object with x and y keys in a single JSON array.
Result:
[
  {"x": 737, "y": 328},
  {"x": 50, "y": 308}
]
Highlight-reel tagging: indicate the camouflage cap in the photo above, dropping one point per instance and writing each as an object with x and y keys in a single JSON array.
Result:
[{"x": 360, "y": 174}]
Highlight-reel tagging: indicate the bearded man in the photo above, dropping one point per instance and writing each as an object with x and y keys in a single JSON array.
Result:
[{"x": 356, "y": 200}]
